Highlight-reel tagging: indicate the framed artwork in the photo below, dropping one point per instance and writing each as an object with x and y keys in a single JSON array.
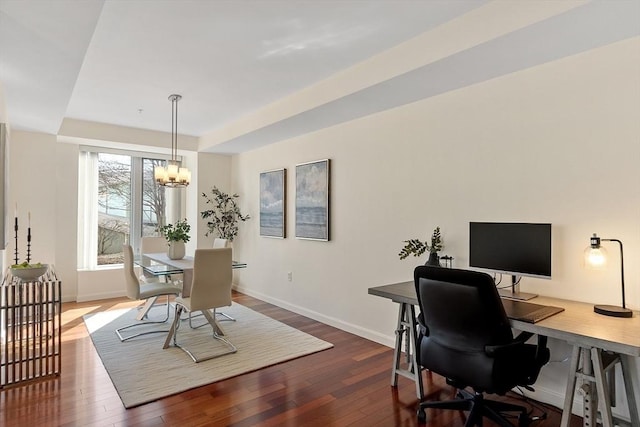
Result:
[
  {"x": 312, "y": 200},
  {"x": 273, "y": 203}
]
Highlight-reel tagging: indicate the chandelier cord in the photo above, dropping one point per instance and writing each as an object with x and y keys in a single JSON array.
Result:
[
  {"x": 173, "y": 174},
  {"x": 174, "y": 128}
]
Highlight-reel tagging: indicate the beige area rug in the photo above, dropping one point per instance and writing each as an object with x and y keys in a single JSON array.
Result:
[{"x": 142, "y": 371}]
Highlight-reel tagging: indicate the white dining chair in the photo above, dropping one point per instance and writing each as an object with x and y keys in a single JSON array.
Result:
[
  {"x": 210, "y": 290},
  {"x": 149, "y": 292},
  {"x": 219, "y": 243},
  {"x": 152, "y": 244}
]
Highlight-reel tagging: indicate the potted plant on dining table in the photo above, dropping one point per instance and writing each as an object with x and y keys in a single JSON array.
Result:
[{"x": 177, "y": 235}]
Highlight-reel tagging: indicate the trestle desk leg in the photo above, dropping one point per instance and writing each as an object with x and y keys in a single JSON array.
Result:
[
  {"x": 397, "y": 350},
  {"x": 413, "y": 337},
  {"x": 406, "y": 336},
  {"x": 601, "y": 387},
  {"x": 588, "y": 364},
  {"x": 571, "y": 387},
  {"x": 627, "y": 375}
]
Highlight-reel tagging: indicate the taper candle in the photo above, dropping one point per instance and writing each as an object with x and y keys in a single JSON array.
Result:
[
  {"x": 29, "y": 236},
  {"x": 16, "y": 237}
]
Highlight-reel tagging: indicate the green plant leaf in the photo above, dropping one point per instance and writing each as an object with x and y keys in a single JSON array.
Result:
[
  {"x": 176, "y": 232},
  {"x": 224, "y": 215}
]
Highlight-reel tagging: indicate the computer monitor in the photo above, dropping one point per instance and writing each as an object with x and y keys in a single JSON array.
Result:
[{"x": 518, "y": 249}]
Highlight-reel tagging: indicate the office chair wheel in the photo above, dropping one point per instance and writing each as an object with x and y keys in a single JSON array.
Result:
[
  {"x": 524, "y": 420},
  {"x": 422, "y": 415}
]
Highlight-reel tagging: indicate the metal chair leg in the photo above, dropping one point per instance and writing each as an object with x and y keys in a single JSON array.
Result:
[
  {"x": 218, "y": 334},
  {"x": 174, "y": 327},
  {"x": 145, "y": 312},
  {"x": 226, "y": 317}
]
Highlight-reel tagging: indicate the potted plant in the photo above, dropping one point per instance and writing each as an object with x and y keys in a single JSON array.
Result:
[
  {"x": 177, "y": 235},
  {"x": 417, "y": 247},
  {"x": 224, "y": 214}
]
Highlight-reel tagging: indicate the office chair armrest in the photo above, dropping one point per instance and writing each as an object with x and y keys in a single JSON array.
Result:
[
  {"x": 493, "y": 350},
  {"x": 422, "y": 327}
]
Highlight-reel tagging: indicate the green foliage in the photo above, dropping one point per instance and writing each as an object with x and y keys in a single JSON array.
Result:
[
  {"x": 26, "y": 265},
  {"x": 417, "y": 247},
  {"x": 224, "y": 214},
  {"x": 176, "y": 232},
  {"x": 413, "y": 247}
]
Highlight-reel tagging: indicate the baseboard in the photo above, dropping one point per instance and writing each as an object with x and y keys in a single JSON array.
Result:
[
  {"x": 99, "y": 296},
  {"x": 551, "y": 397},
  {"x": 369, "y": 334}
]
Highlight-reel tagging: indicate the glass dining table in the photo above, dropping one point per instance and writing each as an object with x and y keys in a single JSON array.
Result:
[{"x": 159, "y": 264}]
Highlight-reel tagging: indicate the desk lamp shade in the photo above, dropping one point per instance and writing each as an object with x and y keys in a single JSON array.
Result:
[{"x": 595, "y": 256}]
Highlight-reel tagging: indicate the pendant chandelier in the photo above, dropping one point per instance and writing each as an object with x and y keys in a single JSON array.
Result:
[{"x": 173, "y": 175}]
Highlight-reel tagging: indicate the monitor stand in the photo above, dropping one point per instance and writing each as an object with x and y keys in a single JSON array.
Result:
[{"x": 514, "y": 292}]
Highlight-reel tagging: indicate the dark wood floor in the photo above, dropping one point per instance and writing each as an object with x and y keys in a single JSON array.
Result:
[{"x": 346, "y": 385}]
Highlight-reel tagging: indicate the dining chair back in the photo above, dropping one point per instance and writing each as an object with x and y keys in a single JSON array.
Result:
[
  {"x": 219, "y": 243},
  {"x": 149, "y": 245},
  {"x": 143, "y": 291},
  {"x": 210, "y": 289},
  {"x": 212, "y": 279}
]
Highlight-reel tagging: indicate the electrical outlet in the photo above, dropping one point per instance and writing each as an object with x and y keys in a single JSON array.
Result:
[{"x": 290, "y": 276}]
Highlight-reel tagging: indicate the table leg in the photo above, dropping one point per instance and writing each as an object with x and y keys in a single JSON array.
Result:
[
  {"x": 174, "y": 326},
  {"x": 571, "y": 387},
  {"x": 415, "y": 366},
  {"x": 406, "y": 333},
  {"x": 397, "y": 350},
  {"x": 588, "y": 364},
  {"x": 590, "y": 399},
  {"x": 187, "y": 278},
  {"x": 602, "y": 390},
  {"x": 147, "y": 306},
  {"x": 627, "y": 375}
]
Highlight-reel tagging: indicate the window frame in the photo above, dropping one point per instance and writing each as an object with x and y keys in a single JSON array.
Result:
[{"x": 173, "y": 203}]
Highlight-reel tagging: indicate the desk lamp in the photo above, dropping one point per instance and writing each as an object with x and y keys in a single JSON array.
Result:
[{"x": 596, "y": 256}]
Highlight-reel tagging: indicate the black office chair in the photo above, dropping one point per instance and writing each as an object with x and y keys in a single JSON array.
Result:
[{"x": 465, "y": 336}]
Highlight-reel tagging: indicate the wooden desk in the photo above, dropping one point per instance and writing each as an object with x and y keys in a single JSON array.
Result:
[
  {"x": 168, "y": 266},
  {"x": 599, "y": 342}
]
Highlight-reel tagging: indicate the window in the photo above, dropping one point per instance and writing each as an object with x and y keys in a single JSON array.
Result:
[{"x": 119, "y": 202}]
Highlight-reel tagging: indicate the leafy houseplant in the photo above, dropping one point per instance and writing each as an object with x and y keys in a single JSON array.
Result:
[
  {"x": 176, "y": 232},
  {"x": 224, "y": 214},
  {"x": 417, "y": 247},
  {"x": 177, "y": 235}
]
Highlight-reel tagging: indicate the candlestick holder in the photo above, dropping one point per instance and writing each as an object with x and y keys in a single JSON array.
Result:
[
  {"x": 29, "y": 245},
  {"x": 16, "y": 230}
]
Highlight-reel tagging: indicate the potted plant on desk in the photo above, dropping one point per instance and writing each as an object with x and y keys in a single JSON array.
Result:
[
  {"x": 177, "y": 235},
  {"x": 417, "y": 247}
]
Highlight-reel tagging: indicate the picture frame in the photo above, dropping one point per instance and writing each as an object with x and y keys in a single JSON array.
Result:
[
  {"x": 312, "y": 200},
  {"x": 273, "y": 198}
]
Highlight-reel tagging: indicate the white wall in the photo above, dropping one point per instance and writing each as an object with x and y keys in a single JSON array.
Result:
[
  {"x": 556, "y": 143},
  {"x": 32, "y": 182},
  {"x": 213, "y": 170},
  {"x": 4, "y": 119},
  {"x": 43, "y": 180}
]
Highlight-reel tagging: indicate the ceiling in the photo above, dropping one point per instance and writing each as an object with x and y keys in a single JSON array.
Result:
[{"x": 116, "y": 62}]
